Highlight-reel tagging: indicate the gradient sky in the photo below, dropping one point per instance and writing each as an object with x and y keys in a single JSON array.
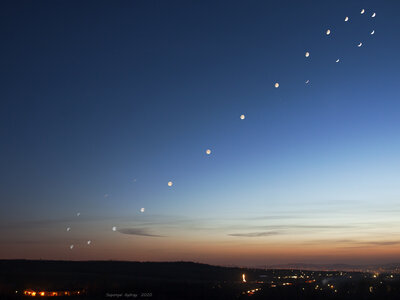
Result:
[{"x": 103, "y": 102}]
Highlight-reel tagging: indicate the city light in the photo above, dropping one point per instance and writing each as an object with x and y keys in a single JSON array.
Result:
[{"x": 33, "y": 293}]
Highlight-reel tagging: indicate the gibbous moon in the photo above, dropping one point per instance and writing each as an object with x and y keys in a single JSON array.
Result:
[
  {"x": 276, "y": 84},
  {"x": 68, "y": 228},
  {"x": 142, "y": 210},
  {"x": 71, "y": 247},
  {"x": 89, "y": 242},
  {"x": 170, "y": 183},
  {"x": 328, "y": 32},
  {"x": 114, "y": 228},
  {"x": 242, "y": 117},
  {"x": 208, "y": 151},
  {"x": 373, "y": 15},
  {"x": 373, "y": 32},
  {"x": 346, "y": 19},
  {"x": 359, "y": 45},
  {"x": 363, "y": 11},
  {"x": 307, "y": 54}
]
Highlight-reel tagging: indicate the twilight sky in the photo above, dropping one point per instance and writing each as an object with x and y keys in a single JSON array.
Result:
[{"x": 103, "y": 102}]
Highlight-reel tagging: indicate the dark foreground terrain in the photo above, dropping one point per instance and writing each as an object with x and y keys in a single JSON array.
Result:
[{"x": 184, "y": 280}]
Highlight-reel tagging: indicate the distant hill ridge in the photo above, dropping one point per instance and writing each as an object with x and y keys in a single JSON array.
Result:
[{"x": 390, "y": 267}]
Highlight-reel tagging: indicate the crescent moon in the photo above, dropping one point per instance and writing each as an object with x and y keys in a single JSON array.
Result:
[
  {"x": 359, "y": 45},
  {"x": 372, "y": 32},
  {"x": 373, "y": 15},
  {"x": 363, "y": 11},
  {"x": 346, "y": 19}
]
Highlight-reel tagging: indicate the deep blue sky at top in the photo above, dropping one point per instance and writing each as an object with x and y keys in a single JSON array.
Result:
[{"x": 95, "y": 94}]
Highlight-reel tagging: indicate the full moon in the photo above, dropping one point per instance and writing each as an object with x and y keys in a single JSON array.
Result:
[
  {"x": 276, "y": 84},
  {"x": 170, "y": 183},
  {"x": 208, "y": 151},
  {"x": 242, "y": 117},
  {"x": 142, "y": 210},
  {"x": 114, "y": 228}
]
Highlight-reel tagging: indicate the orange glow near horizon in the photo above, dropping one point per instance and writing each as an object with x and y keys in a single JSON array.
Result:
[
  {"x": 241, "y": 246},
  {"x": 241, "y": 252}
]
